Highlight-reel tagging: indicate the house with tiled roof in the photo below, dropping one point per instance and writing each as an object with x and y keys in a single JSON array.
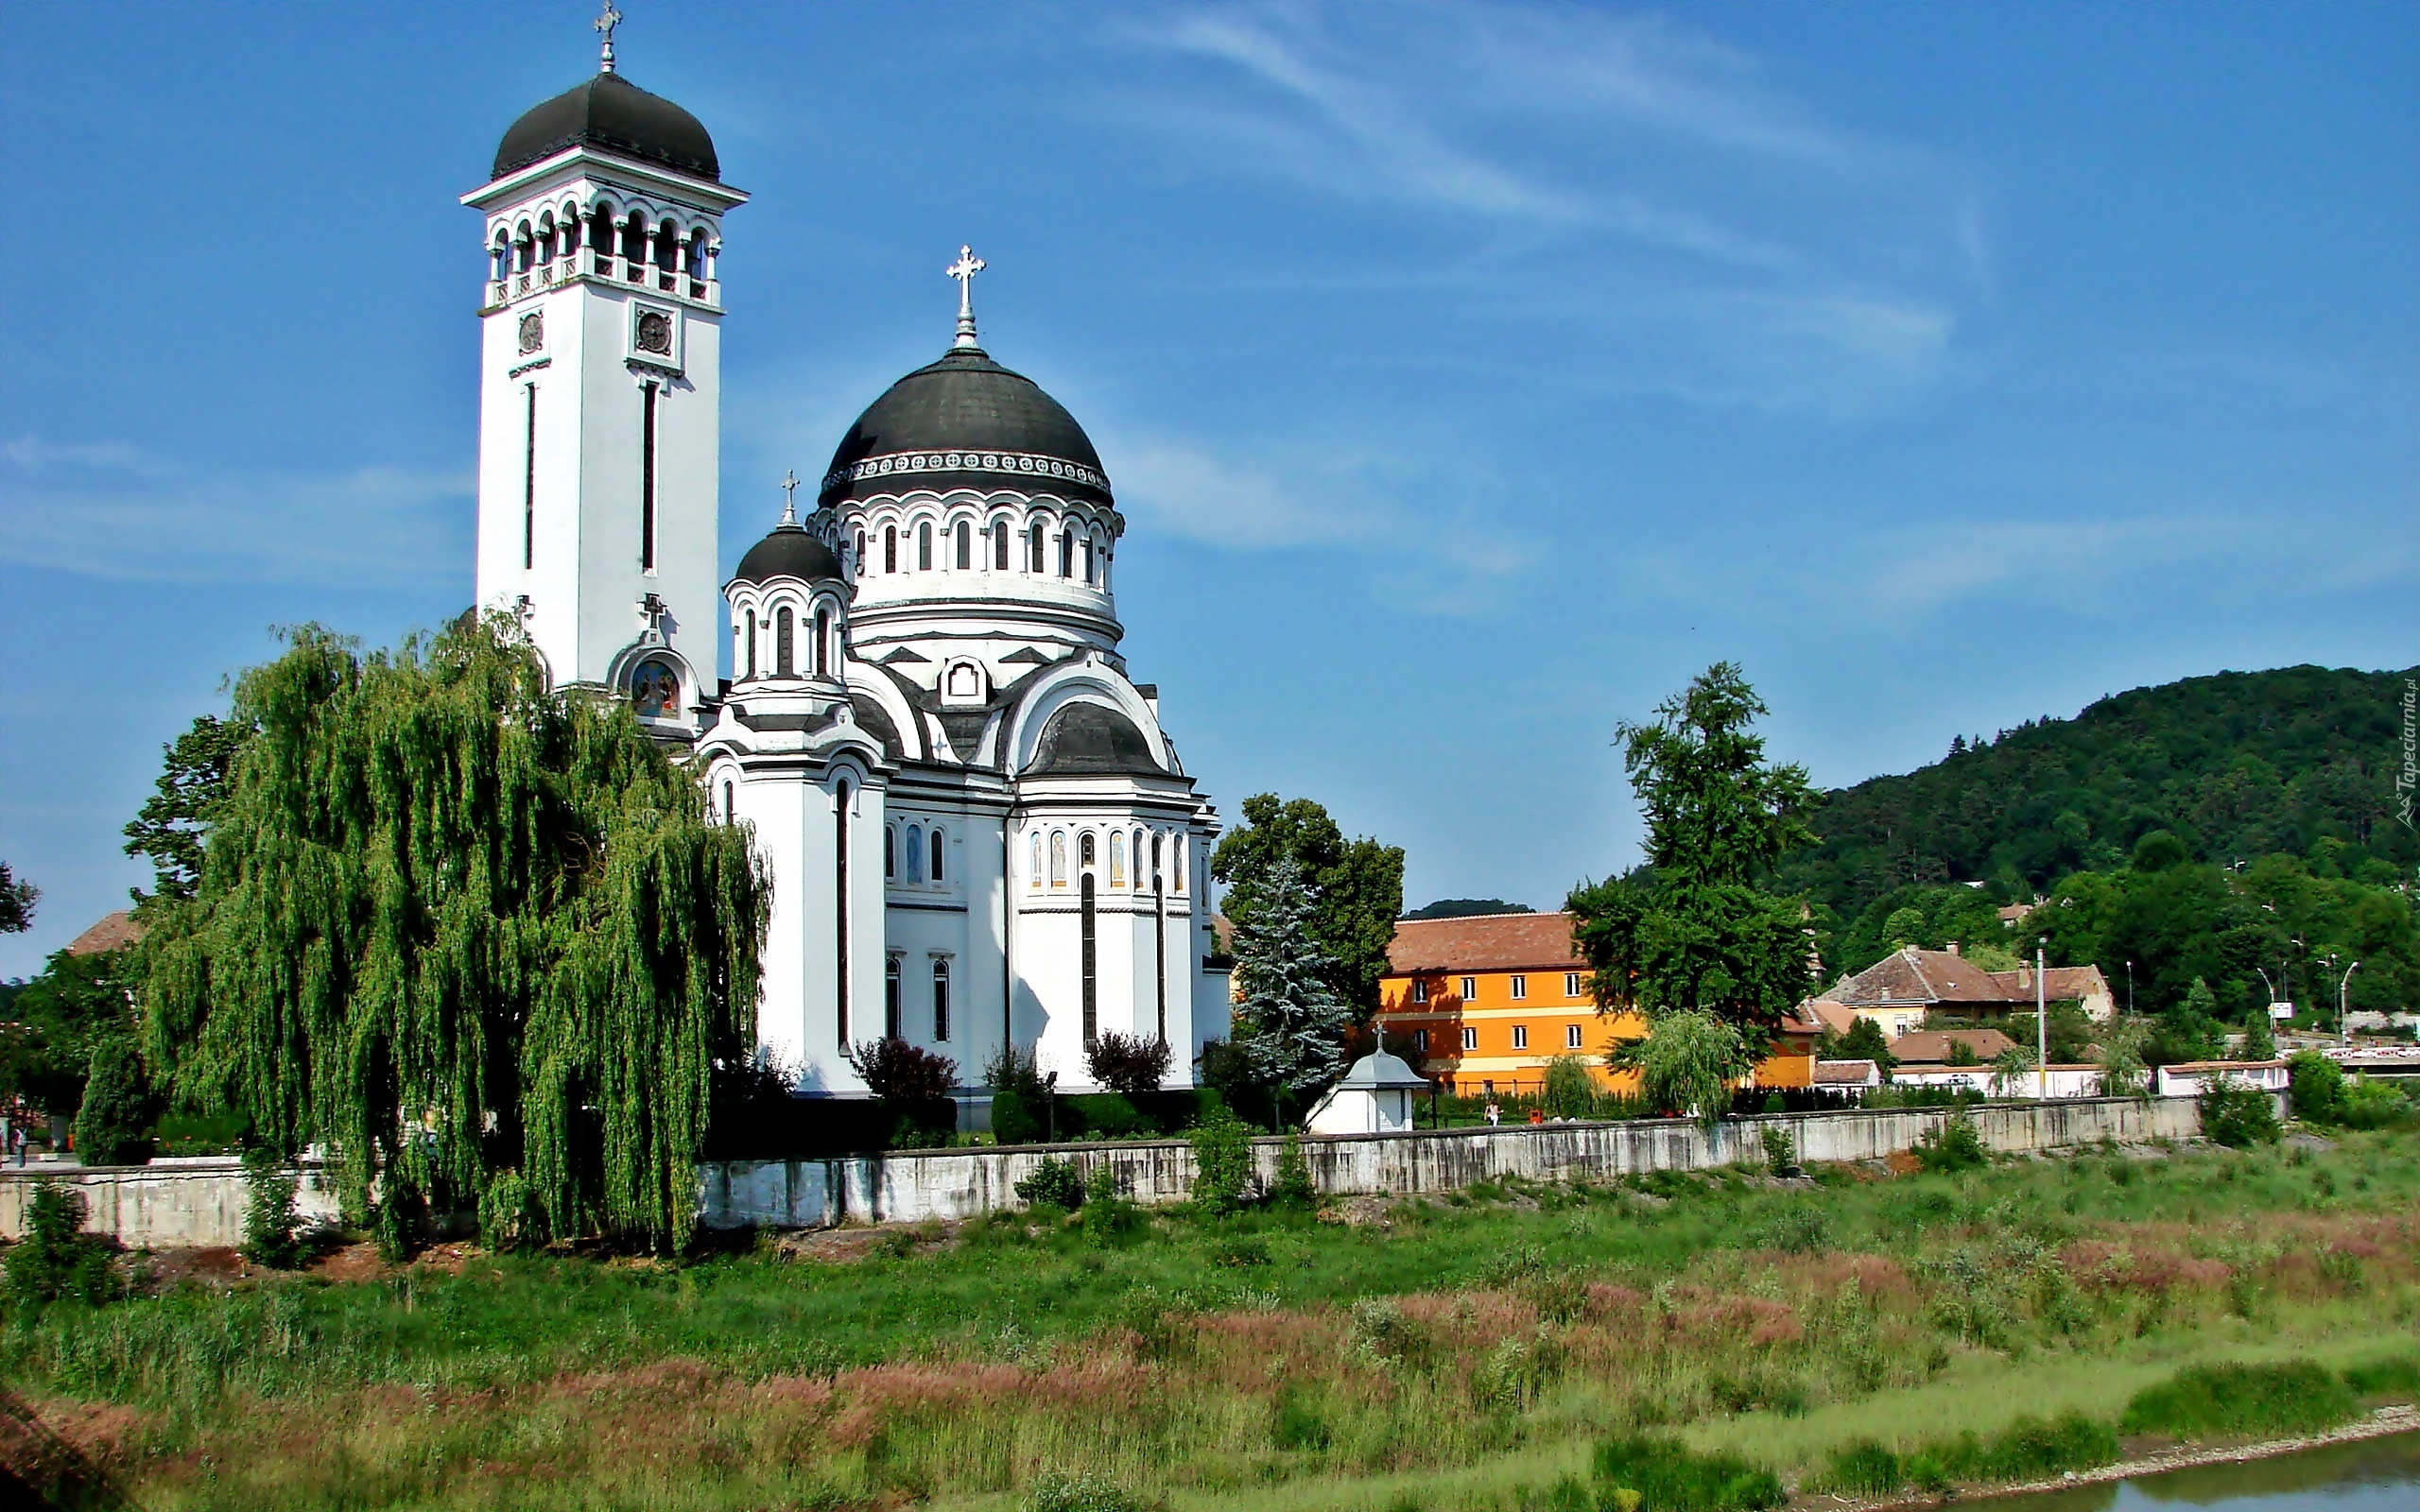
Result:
[
  {"x": 1481, "y": 1003},
  {"x": 1901, "y": 989}
]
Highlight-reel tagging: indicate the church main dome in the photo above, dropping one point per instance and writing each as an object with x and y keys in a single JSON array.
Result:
[
  {"x": 611, "y": 112},
  {"x": 789, "y": 552},
  {"x": 965, "y": 422}
]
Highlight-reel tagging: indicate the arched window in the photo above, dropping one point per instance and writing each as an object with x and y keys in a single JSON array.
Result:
[
  {"x": 1105, "y": 556},
  {"x": 965, "y": 546},
  {"x": 823, "y": 657},
  {"x": 923, "y": 548},
  {"x": 1085, "y": 849},
  {"x": 999, "y": 545},
  {"x": 858, "y": 559},
  {"x": 783, "y": 650},
  {"x": 1037, "y": 858},
  {"x": 1176, "y": 860},
  {"x": 891, "y": 998},
  {"x": 1088, "y": 559},
  {"x": 752, "y": 644},
  {"x": 940, "y": 844},
  {"x": 1033, "y": 550},
  {"x": 940, "y": 1001},
  {"x": 1117, "y": 860},
  {"x": 1058, "y": 858},
  {"x": 1067, "y": 554},
  {"x": 890, "y": 851},
  {"x": 730, "y": 806},
  {"x": 891, "y": 548},
  {"x": 915, "y": 853},
  {"x": 1155, "y": 861},
  {"x": 1091, "y": 962}
]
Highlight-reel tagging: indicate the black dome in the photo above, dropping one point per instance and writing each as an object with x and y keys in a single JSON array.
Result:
[
  {"x": 965, "y": 422},
  {"x": 610, "y": 111},
  {"x": 1091, "y": 739},
  {"x": 789, "y": 552}
]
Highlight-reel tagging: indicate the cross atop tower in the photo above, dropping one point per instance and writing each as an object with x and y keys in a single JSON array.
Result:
[
  {"x": 789, "y": 497},
  {"x": 604, "y": 25},
  {"x": 965, "y": 269}
]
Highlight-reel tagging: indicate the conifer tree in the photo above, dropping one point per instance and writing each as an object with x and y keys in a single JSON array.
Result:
[
  {"x": 1294, "y": 1025},
  {"x": 466, "y": 932}
]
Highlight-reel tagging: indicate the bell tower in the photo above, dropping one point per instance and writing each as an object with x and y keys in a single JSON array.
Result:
[{"x": 600, "y": 392}]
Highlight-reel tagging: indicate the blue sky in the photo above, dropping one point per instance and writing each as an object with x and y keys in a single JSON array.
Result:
[{"x": 1470, "y": 376}]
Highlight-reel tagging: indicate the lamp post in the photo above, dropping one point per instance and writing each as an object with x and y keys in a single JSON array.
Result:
[
  {"x": 2344, "y": 1033},
  {"x": 2130, "y": 989},
  {"x": 2042, "y": 1016}
]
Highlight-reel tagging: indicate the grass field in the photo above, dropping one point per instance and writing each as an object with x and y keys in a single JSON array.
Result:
[{"x": 1468, "y": 1353}]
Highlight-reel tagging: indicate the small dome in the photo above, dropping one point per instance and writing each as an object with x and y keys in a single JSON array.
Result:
[
  {"x": 965, "y": 422},
  {"x": 789, "y": 552},
  {"x": 1091, "y": 739},
  {"x": 611, "y": 112}
]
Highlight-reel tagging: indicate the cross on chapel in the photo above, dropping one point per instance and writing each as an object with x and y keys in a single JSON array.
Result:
[{"x": 965, "y": 269}]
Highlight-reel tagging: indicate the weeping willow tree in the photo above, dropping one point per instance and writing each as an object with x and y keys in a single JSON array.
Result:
[{"x": 478, "y": 939}]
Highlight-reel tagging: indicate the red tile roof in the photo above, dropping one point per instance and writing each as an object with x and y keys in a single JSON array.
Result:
[
  {"x": 1929, "y": 977},
  {"x": 110, "y": 932},
  {"x": 1931, "y": 1047},
  {"x": 1484, "y": 942}
]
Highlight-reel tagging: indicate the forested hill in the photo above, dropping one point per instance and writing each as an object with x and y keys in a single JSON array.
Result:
[{"x": 2239, "y": 765}]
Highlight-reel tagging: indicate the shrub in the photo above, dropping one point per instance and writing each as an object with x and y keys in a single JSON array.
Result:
[
  {"x": 113, "y": 1125},
  {"x": 1223, "y": 1173},
  {"x": 1053, "y": 1183},
  {"x": 2315, "y": 1087},
  {"x": 57, "y": 1261},
  {"x": 1294, "y": 1189},
  {"x": 1110, "y": 1216},
  {"x": 2394, "y": 1376},
  {"x": 1669, "y": 1478},
  {"x": 271, "y": 1226},
  {"x": 904, "y": 1076},
  {"x": 2031, "y": 1450},
  {"x": 2240, "y": 1401},
  {"x": 1130, "y": 1065},
  {"x": 1953, "y": 1147},
  {"x": 1568, "y": 1092},
  {"x": 1780, "y": 1153},
  {"x": 1020, "y": 1097},
  {"x": 2370, "y": 1104},
  {"x": 2237, "y": 1114},
  {"x": 1862, "y": 1467},
  {"x": 1057, "y": 1491}
]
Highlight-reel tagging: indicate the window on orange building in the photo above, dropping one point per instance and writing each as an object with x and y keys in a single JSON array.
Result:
[
  {"x": 1520, "y": 986},
  {"x": 1571, "y": 1036},
  {"x": 1420, "y": 1040},
  {"x": 1419, "y": 989},
  {"x": 1469, "y": 987},
  {"x": 1470, "y": 1037},
  {"x": 1571, "y": 984},
  {"x": 1520, "y": 1033}
]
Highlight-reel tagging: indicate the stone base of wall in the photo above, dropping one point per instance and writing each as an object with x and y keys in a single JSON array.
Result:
[{"x": 203, "y": 1202}]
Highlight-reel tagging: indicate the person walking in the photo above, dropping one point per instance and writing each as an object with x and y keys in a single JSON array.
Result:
[{"x": 1494, "y": 1114}]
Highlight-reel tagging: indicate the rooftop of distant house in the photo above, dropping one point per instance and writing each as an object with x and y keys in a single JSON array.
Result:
[
  {"x": 110, "y": 932},
  {"x": 1921, "y": 976},
  {"x": 1484, "y": 942}
]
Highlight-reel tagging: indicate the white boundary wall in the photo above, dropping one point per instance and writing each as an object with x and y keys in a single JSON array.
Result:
[{"x": 201, "y": 1202}]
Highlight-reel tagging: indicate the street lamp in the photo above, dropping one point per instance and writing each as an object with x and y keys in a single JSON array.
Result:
[
  {"x": 2042, "y": 1016},
  {"x": 2130, "y": 989},
  {"x": 2344, "y": 1035}
]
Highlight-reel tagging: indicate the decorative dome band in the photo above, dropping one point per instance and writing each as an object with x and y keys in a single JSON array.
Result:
[{"x": 1015, "y": 464}]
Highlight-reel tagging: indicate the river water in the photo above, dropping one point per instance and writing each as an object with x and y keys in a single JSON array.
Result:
[{"x": 2376, "y": 1475}]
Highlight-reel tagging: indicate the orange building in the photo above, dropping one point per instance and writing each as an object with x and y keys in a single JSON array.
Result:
[{"x": 1481, "y": 1004}]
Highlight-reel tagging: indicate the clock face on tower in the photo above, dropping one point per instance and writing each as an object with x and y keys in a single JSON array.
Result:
[
  {"x": 533, "y": 331},
  {"x": 655, "y": 333}
]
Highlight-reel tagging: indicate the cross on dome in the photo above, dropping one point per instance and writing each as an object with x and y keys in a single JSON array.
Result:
[
  {"x": 965, "y": 269},
  {"x": 604, "y": 25},
  {"x": 789, "y": 497}
]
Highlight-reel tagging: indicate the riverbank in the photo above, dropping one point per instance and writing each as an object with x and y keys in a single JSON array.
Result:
[
  {"x": 2383, "y": 1424},
  {"x": 1459, "y": 1352}
]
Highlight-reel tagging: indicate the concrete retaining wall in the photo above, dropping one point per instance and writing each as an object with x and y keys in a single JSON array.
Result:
[
  {"x": 203, "y": 1202},
  {"x": 193, "y": 1201},
  {"x": 913, "y": 1186}
]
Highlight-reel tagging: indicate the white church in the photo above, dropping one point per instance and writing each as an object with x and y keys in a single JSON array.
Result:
[{"x": 976, "y": 827}]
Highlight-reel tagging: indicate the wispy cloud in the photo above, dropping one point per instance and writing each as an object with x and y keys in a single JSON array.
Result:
[
  {"x": 1422, "y": 558},
  {"x": 108, "y": 510}
]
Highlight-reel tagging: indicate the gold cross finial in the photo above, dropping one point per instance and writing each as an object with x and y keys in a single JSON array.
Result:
[{"x": 604, "y": 25}]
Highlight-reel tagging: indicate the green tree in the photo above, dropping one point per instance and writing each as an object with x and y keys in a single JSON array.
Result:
[
  {"x": 2186, "y": 1030},
  {"x": 2012, "y": 1071},
  {"x": 463, "y": 930},
  {"x": 2123, "y": 1072},
  {"x": 1693, "y": 931},
  {"x": 1290, "y": 1021},
  {"x": 2260, "y": 1040},
  {"x": 114, "y": 1121},
  {"x": 1688, "y": 1064},
  {"x": 17, "y": 899},
  {"x": 173, "y": 826},
  {"x": 1567, "y": 1090},
  {"x": 1355, "y": 886},
  {"x": 1865, "y": 1041},
  {"x": 79, "y": 1003}
]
